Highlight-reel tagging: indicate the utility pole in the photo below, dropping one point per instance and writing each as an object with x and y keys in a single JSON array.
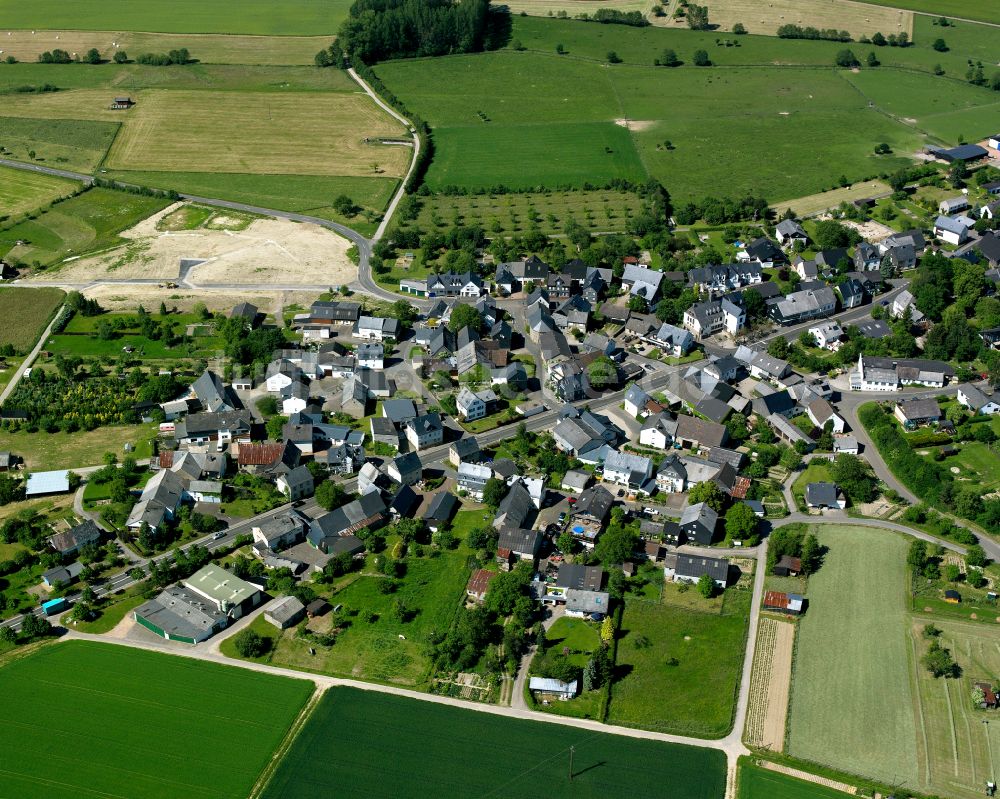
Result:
[{"x": 572, "y": 749}]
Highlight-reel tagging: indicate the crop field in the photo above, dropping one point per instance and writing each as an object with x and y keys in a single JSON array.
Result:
[
  {"x": 957, "y": 749},
  {"x": 541, "y": 8},
  {"x": 410, "y": 748},
  {"x": 760, "y": 783},
  {"x": 914, "y": 99},
  {"x": 770, "y": 683},
  {"x": 856, "y": 18},
  {"x": 986, "y": 12},
  {"x": 216, "y": 726},
  {"x": 32, "y": 309},
  {"x": 668, "y": 654},
  {"x": 852, "y": 703},
  {"x": 570, "y": 137},
  {"x": 84, "y": 223},
  {"x": 288, "y": 18},
  {"x": 815, "y": 203},
  {"x": 27, "y": 45},
  {"x": 22, "y": 192}
]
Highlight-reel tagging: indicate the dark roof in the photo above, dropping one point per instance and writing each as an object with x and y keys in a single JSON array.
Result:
[
  {"x": 822, "y": 494},
  {"x": 519, "y": 541},
  {"x": 964, "y": 152},
  {"x": 584, "y": 578},
  {"x": 595, "y": 502},
  {"x": 442, "y": 507},
  {"x": 693, "y": 566},
  {"x": 875, "y": 328},
  {"x": 405, "y": 501}
]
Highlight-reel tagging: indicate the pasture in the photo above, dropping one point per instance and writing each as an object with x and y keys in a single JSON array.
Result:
[
  {"x": 72, "y": 144},
  {"x": 43, "y": 451},
  {"x": 32, "y": 309},
  {"x": 541, "y": 133},
  {"x": 667, "y": 654},
  {"x": 289, "y": 18},
  {"x": 856, "y": 18},
  {"x": 87, "y": 222},
  {"x": 824, "y": 201},
  {"x": 956, "y": 748},
  {"x": 411, "y": 748},
  {"x": 852, "y": 702},
  {"x": 216, "y": 726},
  {"x": 27, "y": 45},
  {"x": 22, "y": 192},
  {"x": 986, "y": 12}
]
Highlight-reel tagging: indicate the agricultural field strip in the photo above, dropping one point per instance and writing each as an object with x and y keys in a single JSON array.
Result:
[{"x": 770, "y": 684}]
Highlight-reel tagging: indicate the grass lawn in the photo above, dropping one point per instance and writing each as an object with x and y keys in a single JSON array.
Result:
[
  {"x": 22, "y": 192},
  {"x": 975, "y": 461},
  {"x": 851, "y": 701},
  {"x": 217, "y": 726},
  {"x": 85, "y": 223},
  {"x": 73, "y": 144},
  {"x": 432, "y": 587},
  {"x": 290, "y": 18},
  {"x": 817, "y": 471},
  {"x": 33, "y": 309},
  {"x": 582, "y": 638},
  {"x": 954, "y": 742},
  {"x": 760, "y": 783},
  {"x": 425, "y": 741},
  {"x": 110, "y": 615},
  {"x": 43, "y": 451},
  {"x": 653, "y": 692}
]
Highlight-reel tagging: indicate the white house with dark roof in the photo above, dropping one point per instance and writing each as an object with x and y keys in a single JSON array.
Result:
[
  {"x": 788, "y": 231},
  {"x": 950, "y": 231},
  {"x": 714, "y": 316},
  {"x": 979, "y": 401},
  {"x": 640, "y": 281},
  {"x": 627, "y": 469},
  {"x": 672, "y": 340}
]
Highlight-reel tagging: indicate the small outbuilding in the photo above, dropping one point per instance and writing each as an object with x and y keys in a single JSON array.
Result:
[{"x": 286, "y": 612}]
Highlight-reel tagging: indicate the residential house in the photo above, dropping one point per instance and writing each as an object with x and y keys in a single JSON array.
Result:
[
  {"x": 978, "y": 401},
  {"x": 641, "y": 281},
  {"x": 633, "y": 471},
  {"x": 950, "y": 231},
  {"x": 370, "y": 355},
  {"x": 658, "y": 431},
  {"x": 333, "y": 532},
  {"x": 762, "y": 251},
  {"x": 479, "y": 584},
  {"x": 516, "y": 509},
  {"x": 424, "y": 431},
  {"x": 464, "y": 450},
  {"x": 281, "y": 374},
  {"x": 867, "y": 257},
  {"x": 806, "y": 270},
  {"x": 887, "y": 374},
  {"x": 587, "y": 604},
  {"x": 714, "y": 316},
  {"x": 952, "y": 205},
  {"x": 635, "y": 400},
  {"x": 405, "y": 469},
  {"x": 515, "y": 543},
  {"x": 294, "y": 398},
  {"x": 472, "y": 478},
  {"x": 374, "y": 328},
  {"x": 204, "y": 428},
  {"x": 847, "y": 445},
  {"x": 584, "y": 434},
  {"x": 708, "y": 279},
  {"x": 211, "y": 394},
  {"x": 70, "y": 542},
  {"x": 916, "y": 412},
  {"x": 820, "y": 412},
  {"x": 159, "y": 502},
  {"x": 575, "y": 481},
  {"x": 829, "y": 260},
  {"x": 671, "y": 477},
  {"x": 672, "y": 340},
  {"x": 801, "y": 306},
  {"x": 590, "y": 513},
  {"x": 828, "y": 336},
  {"x": 852, "y": 293},
  {"x": 788, "y": 232},
  {"x": 383, "y": 431},
  {"x": 825, "y": 495},
  {"x": 874, "y": 329},
  {"x": 280, "y": 531},
  {"x": 474, "y": 405},
  {"x": 451, "y": 284},
  {"x": 441, "y": 511},
  {"x": 694, "y": 432},
  {"x": 698, "y": 523},
  {"x": 690, "y": 568},
  {"x": 989, "y": 247}
]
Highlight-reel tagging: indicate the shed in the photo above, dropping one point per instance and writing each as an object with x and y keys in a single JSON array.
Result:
[
  {"x": 286, "y": 612},
  {"x": 42, "y": 483},
  {"x": 952, "y": 596}
]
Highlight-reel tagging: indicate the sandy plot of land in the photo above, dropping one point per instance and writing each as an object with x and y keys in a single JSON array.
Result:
[
  {"x": 870, "y": 230},
  {"x": 771, "y": 685},
  {"x": 26, "y": 45},
  {"x": 766, "y": 17},
  {"x": 127, "y": 297},
  {"x": 269, "y": 252},
  {"x": 541, "y": 8}
]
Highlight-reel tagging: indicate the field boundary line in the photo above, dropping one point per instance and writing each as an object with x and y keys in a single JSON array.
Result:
[
  {"x": 293, "y": 732},
  {"x": 807, "y": 777},
  {"x": 951, "y": 726},
  {"x": 915, "y": 682}
]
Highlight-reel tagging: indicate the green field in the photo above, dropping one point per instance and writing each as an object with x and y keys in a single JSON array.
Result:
[
  {"x": 72, "y": 144},
  {"x": 957, "y": 747},
  {"x": 851, "y": 700},
  {"x": 23, "y": 192},
  {"x": 760, "y": 783},
  {"x": 542, "y": 133},
  {"x": 288, "y": 18},
  {"x": 987, "y": 12},
  {"x": 33, "y": 309},
  {"x": 656, "y": 694},
  {"x": 407, "y": 748},
  {"x": 42, "y": 451},
  {"x": 135, "y": 723},
  {"x": 82, "y": 224}
]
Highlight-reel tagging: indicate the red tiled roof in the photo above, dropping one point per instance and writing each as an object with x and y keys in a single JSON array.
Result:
[
  {"x": 479, "y": 582},
  {"x": 740, "y": 488},
  {"x": 259, "y": 454}
]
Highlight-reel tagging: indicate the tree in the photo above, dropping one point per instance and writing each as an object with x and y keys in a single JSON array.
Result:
[
  {"x": 940, "y": 45},
  {"x": 120, "y": 57},
  {"x": 329, "y": 495},
  {"x": 706, "y": 586},
  {"x": 778, "y": 347},
  {"x": 35, "y": 627},
  {"x": 250, "y": 644},
  {"x": 344, "y": 206},
  {"x": 93, "y": 56},
  {"x": 607, "y": 631},
  {"x": 830, "y": 234},
  {"x": 613, "y": 57},
  {"x": 741, "y": 523},
  {"x": 697, "y": 17},
  {"x": 7, "y": 635},
  {"x": 975, "y": 556},
  {"x": 617, "y": 544},
  {"x": 739, "y": 29},
  {"x": 566, "y": 542},
  {"x": 701, "y": 58},
  {"x": 847, "y": 59},
  {"x": 872, "y": 61},
  {"x": 852, "y": 475},
  {"x": 916, "y": 557},
  {"x": 494, "y": 492},
  {"x": 602, "y": 372},
  {"x": 668, "y": 58},
  {"x": 810, "y": 554},
  {"x": 939, "y": 662},
  {"x": 709, "y": 493},
  {"x": 274, "y": 426},
  {"x": 465, "y": 316},
  {"x": 790, "y": 459},
  {"x": 957, "y": 173}
]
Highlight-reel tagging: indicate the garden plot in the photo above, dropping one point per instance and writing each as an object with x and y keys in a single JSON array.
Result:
[{"x": 770, "y": 685}]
